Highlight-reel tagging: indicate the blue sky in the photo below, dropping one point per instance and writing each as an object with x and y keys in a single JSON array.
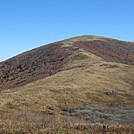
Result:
[{"x": 26, "y": 24}]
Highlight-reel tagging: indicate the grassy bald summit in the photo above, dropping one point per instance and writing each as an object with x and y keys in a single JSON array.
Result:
[
  {"x": 89, "y": 77},
  {"x": 50, "y": 59}
]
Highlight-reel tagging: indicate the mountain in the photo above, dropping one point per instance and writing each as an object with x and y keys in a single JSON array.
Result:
[
  {"x": 89, "y": 77},
  {"x": 52, "y": 58}
]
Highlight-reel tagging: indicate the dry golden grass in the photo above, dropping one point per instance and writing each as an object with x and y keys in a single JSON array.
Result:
[
  {"x": 9, "y": 127},
  {"x": 83, "y": 82},
  {"x": 86, "y": 80}
]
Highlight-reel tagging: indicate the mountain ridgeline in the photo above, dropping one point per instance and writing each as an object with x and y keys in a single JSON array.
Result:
[{"x": 50, "y": 59}]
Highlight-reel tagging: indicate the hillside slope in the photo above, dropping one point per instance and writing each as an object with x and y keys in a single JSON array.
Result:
[
  {"x": 50, "y": 59},
  {"x": 75, "y": 77},
  {"x": 96, "y": 91}
]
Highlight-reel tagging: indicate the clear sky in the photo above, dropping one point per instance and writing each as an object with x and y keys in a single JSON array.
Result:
[{"x": 26, "y": 24}]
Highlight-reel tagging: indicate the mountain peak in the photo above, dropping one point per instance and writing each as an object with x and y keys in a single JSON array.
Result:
[{"x": 52, "y": 58}]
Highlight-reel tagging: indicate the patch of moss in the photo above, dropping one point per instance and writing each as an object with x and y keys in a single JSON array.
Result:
[
  {"x": 72, "y": 49},
  {"x": 79, "y": 57}
]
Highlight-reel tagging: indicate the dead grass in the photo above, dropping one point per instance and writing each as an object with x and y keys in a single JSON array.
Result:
[
  {"x": 82, "y": 83},
  {"x": 85, "y": 81},
  {"x": 9, "y": 127}
]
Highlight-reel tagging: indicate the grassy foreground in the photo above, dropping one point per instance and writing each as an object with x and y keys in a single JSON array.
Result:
[{"x": 56, "y": 128}]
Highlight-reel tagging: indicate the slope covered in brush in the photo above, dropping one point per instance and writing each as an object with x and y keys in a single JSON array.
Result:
[
  {"x": 107, "y": 48},
  {"x": 50, "y": 59},
  {"x": 32, "y": 65}
]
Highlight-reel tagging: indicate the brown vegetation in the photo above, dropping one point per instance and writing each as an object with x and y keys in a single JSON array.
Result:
[
  {"x": 66, "y": 128},
  {"x": 50, "y": 59},
  {"x": 66, "y": 86}
]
